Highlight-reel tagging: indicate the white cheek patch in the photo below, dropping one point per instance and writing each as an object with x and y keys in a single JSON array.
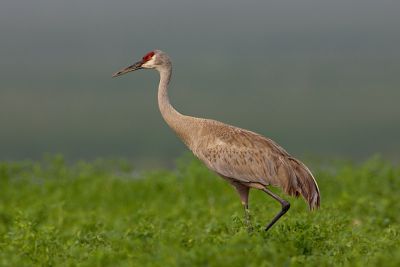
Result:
[{"x": 150, "y": 63}]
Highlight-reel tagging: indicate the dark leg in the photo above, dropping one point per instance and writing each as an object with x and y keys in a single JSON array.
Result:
[
  {"x": 247, "y": 215},
  {"x": 285, "y": 207}
]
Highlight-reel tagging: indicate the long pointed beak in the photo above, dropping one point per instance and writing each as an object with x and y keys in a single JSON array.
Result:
[{"x": 136, "y": 66}]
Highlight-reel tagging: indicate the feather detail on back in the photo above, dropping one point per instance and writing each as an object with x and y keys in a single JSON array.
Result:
[{"x": 250, "y": 158}]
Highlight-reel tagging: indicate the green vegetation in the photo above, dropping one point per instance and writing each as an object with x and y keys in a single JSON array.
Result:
[{"x": 104, "y": 213}]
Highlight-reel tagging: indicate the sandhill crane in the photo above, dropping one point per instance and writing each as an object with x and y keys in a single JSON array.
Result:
[{"x": 244, "y": 158}]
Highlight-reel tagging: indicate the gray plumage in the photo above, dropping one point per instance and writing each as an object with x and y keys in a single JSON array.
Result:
[{"x": 244, "y": 158}]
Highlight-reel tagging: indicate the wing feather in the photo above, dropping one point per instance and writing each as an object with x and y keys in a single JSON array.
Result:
[{"x": 248, "y": 157}]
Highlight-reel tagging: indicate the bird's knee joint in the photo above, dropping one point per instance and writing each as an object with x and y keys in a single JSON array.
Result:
[{"x": 285, "y": 206}]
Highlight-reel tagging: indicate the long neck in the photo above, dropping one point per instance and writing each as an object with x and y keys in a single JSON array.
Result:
[{"x": 181, "y": 124}]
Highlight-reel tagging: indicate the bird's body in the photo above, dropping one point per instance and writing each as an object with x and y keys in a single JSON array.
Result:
[{"x": 244, "y": 158}]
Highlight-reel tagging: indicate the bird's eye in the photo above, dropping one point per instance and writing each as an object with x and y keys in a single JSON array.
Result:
[{"x": 148, "y": 56}]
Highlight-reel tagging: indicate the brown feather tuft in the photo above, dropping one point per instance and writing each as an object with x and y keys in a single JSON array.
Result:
[{"x": 303, "y": 183}]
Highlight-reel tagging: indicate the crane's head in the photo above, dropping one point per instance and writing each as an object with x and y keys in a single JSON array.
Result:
[{"x": 155, "y": 59}]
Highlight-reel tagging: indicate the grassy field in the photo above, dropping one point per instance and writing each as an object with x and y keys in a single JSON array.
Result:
[{"x": 104, "y": 213}]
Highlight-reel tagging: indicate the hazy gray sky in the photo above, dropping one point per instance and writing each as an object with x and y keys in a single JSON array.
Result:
[{"x": 321, "y": 77}]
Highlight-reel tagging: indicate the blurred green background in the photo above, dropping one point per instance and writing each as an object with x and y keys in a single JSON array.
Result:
[{"x": 320, "y": 78}]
